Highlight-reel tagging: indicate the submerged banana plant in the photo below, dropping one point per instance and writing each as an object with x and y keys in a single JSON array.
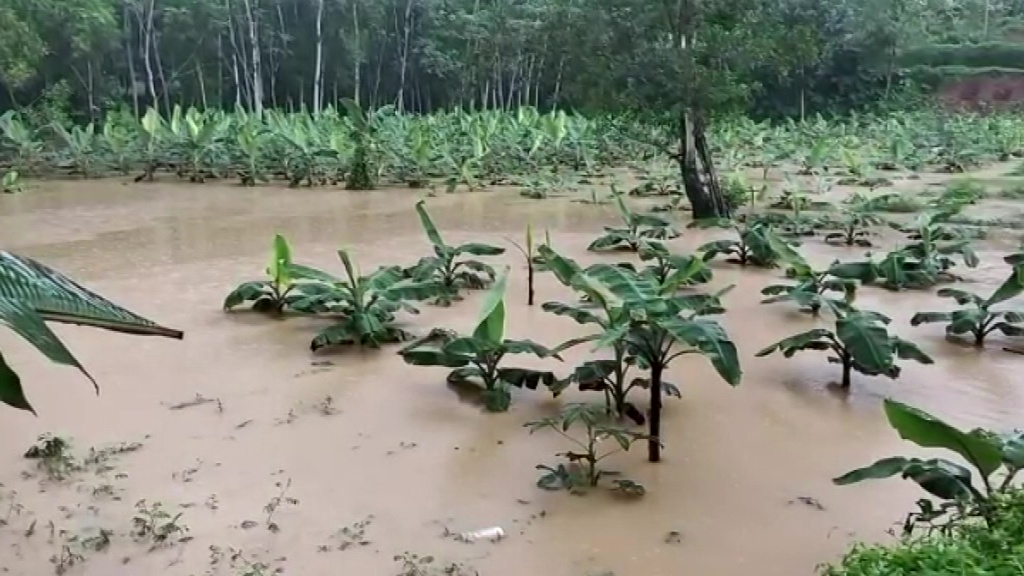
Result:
[
  {"x": 477, "y": 360},
  {"x": 288, "y": 286},
  {"x": 449, "y": 266},
  {"x": 634, "y": 230},
  {"x": 366, "y": 306}
]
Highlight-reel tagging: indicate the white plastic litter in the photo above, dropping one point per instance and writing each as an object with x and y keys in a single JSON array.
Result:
[{"x": 493, "y": 533}]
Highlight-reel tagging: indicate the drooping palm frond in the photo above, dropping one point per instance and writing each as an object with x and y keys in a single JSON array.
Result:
[{"x": 32, "y": 293}]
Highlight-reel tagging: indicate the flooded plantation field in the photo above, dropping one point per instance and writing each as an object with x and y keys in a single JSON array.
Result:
[{"x": 238, "y": 451}]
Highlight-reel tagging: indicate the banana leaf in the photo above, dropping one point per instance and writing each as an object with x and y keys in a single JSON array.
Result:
[{"x": 32, "y": 293}]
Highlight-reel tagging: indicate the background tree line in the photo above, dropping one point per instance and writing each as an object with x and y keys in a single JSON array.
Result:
[{"x": 762, "y": 57}]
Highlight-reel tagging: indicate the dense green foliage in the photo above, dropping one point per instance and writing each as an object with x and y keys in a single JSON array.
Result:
[
  {"x": 88, "y": 56},
  {"x": 969, "y": 548}
]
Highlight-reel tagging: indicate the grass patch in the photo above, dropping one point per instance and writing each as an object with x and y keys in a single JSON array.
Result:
[{"x": 968, "y": 547}]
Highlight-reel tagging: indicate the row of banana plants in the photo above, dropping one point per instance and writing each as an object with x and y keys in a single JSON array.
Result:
[
  {"x": 645, "y": 316},
  {"x": 351, "y": 145},
  {"x": 461, "y": 148},
  {"x": 641, "y": 316}
]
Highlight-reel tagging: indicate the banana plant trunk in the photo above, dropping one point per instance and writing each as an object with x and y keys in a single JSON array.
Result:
[
  {"x": 697, "y": 168},
  {"x": 847, "y": 373},
  {"x": 654, "y": 443}
]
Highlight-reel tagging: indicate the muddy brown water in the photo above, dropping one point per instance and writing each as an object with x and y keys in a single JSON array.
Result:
[{"x": 398, "y": 446}]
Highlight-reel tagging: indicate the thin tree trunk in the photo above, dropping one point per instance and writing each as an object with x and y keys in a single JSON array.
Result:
[
  {"x": 130, "y": 57},
  {"x": 92, "y": 90},
  {"x": 146, "y": 39},
  {"x": 164, "y": 88},
  {"x": 404, "y": 54},
  {"x": 202, "y": 85},
  {"x": 558, "y": 82},
  {"x": 357, "y": 65},
  {"x": 255, "y": 61},
  {"x": 318, "y": 70}
]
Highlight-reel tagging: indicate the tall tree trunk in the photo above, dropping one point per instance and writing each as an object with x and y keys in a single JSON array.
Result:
[
  {"x": 404, "y": 54},
  {"x": 146, "y": 39},
  {"x": 202, "y": 85},
  {"x": 129, "y": 53},
  {"x": 318, "y": 70},
  {"x": 357, "y": 53},
  {"x": 164, "y": 87},
  {"x": 255, "y": 60},
  {"x": 697, "y": 169}
]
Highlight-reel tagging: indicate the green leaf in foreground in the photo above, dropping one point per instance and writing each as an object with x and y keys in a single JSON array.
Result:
[{"x": 32, "y": 293}]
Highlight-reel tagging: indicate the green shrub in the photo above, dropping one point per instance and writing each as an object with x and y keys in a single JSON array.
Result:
[{"x": 965, "y": 548}]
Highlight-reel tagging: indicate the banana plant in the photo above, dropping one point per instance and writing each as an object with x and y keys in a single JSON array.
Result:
[
  {"x": 448, "y": 265},
  {"x": 118, "y": 147},
  {"x": 10, "y": 183},
  {"x": 153, "y": 135},
  {"x": 853, "y": 226},
  {"x": 652, "y": 324},
  {"x": 477, "y": 359},
  {"x": 751, "y": 247},
  {"x": 288, "y": 286},
  {"x": 610, "y": 376},
  {"x": 199, "y": 138},
  {"x": 302, "y": 152},
  {"x": 923, "y": 263},
  {"x": 361, "y": 174},
  {"x": 21, "y": 142},
  {"x": 935, "y": 242},
  {"x": 861, "y": 342},
  {"x": 528, "y": 250},
  {"x": 811, "y": 287},
  {"x": 32, "y": 294},
  {"x": 666, "y": 268},
  {"x": 634, "y": 230},
  {"x": 80, "y": 145},
  {"x": 251, "y": 139},
  {"x": 994, "y": 459},
  {"x": 977, "y": 319},
  {"x": 367, "y": 306}
]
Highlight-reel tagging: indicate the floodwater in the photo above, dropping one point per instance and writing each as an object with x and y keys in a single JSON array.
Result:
[{"x": 358, "y": 435}]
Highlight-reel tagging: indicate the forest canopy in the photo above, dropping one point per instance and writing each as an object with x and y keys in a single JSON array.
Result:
[{"x": 760, "y": 57}]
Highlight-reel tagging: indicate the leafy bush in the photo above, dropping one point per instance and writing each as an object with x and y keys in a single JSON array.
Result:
[
  {"x": 971, "y": 547},
  {"x": 977, "y": 527}
]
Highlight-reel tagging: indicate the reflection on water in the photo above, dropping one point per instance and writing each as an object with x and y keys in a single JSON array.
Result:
[{"x": 396, "y": 444}]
